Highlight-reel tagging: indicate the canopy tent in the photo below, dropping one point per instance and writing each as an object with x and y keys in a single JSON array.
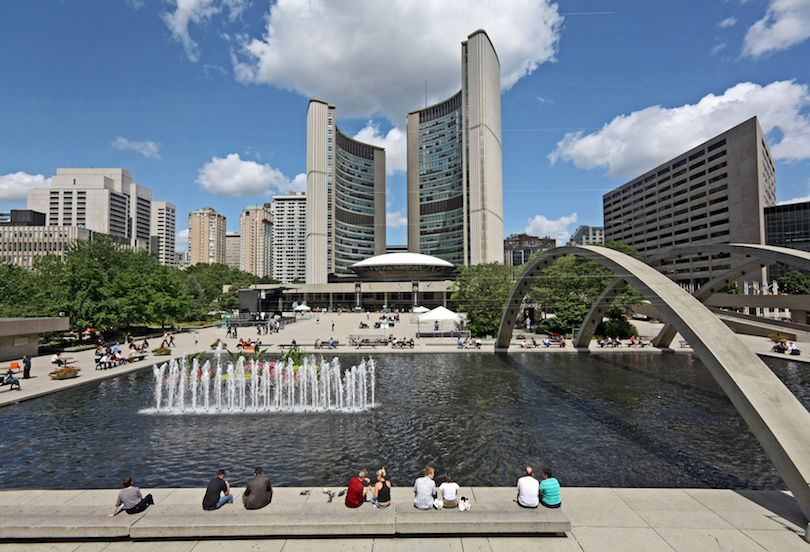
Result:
[
  {"x": 420, "y": 310},
  {"x": 440, "y": 314},
  {"x": 301, "y": 308}
]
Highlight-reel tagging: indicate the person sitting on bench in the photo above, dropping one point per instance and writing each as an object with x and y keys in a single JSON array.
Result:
[
  {"x": 11, "y": 381},
  {"x": 57, "y": 360}
]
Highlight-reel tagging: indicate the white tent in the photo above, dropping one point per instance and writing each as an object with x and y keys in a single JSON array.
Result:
[
  {"x": 440, "y": 314},
  {"x": 301, "y": 308},
  {"x": 420, "y": 310}
]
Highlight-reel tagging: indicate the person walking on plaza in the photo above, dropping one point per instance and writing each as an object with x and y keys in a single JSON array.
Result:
[
  {"x": 26, "y": 366},
  {"x": 550, "y": 490},
  {"x": 424, "y": 490},
  {"x": 528, "y": 489},
  {"x": 258, "y": 493},
  {"x": 356, "y": 493},
  {"x": 130, "y": 499},
  {"x": 212, "y": 500}
]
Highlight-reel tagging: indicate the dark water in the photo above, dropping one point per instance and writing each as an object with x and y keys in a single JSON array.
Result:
[{"x": 621, "y": 419}]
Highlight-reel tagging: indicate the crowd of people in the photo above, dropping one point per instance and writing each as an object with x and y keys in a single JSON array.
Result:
[{"x": 531, "y": 493}]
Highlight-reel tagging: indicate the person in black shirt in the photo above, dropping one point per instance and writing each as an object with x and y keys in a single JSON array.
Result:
[{"x": 212, "y": 500}]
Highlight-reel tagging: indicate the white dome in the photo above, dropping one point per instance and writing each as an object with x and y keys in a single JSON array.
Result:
[{"x": 402, "y": 259}]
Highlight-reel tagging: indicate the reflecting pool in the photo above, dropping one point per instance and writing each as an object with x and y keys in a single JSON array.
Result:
[{"x": 618, "y": 419}]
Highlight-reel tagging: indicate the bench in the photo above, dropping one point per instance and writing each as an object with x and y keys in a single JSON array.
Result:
[
  {"x": 367, "y": 344},
  {"x": 178, "y": 515},
  {"x": 283, "y": 346}
]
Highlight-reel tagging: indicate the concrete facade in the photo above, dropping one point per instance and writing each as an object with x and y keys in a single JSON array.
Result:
[
  {"x": 206, "y": 237},
  {"x": 714, "y": 193},
  {"x": 233, "y": 249},
  {"x": 20, "y": 336},
  {"x": 345, "y": 197},
  {"x": 102, "y": 200},
  {"x": 289, "y": 237},
  {"x": 163, "y": 230},
  {"x": 518, "y": 248},
  {"x": 23, "y": 245},
  {"x": 455, "y": 173},
  {"x": 256, "y": 229}
]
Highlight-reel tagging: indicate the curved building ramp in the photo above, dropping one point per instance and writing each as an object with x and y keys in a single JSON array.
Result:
[{"x": 777, "y": 419}]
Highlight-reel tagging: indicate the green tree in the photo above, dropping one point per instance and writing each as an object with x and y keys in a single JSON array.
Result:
[
  {"x": 482, "y": 291},
  {"x": 206, "y": 285},
  {"x": 795, "y": 283},
  {"x": 17, "y": 289}
]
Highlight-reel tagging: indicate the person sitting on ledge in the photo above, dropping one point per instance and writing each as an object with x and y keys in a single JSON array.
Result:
[
  {"x": 381, "y": 491},
  {"x": 449, "y": 490},
  {"x": 212, "y": 500},
  {"x": 550, "y": 490},
  {"x": 424, "y": 490},
  {"x": 130, "y": 499},
  {"x": 528, "y": 489},
  {"x": 258, "y": 493},
  {"x": 356, "y": 493}
]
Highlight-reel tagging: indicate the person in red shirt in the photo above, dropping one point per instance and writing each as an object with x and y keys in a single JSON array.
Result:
[{"x": 356, "y": 494}]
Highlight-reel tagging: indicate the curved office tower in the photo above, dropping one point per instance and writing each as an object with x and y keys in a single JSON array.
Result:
[
  {"x": 455, "y": 175},
  {"x": 345, "y": 197}
]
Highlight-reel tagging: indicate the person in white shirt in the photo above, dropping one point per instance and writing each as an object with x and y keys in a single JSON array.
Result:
[
  {"x": 528, "y": 490},
  {"x": 449, "y": 490}
]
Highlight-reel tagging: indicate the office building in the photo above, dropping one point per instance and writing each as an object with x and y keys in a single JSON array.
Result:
[
  {"x": 787, "y": 226},
  {"x": 256, "y": 229},
  {"x": 206, "y": 237},
  {"x": 233, "y": 250},
  {"x": 518, "y": 248},
  {"x": 716, "y": 192},
  {"x": 25, "y": 237},
  {"x": 455, "y": 175},
  {"x": 289, "y": 237},
  {"x": 345, "y": 198},
  {"x": 102, "y": 200},
  {"x": 588, "y": 235},
  {"x": 163, "y": 230}
]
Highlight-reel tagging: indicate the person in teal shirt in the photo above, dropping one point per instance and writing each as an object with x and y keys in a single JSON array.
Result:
[{"x": 550, "y": 490}]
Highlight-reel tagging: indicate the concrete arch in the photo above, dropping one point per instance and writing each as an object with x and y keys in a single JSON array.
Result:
[
  {"x": 597, "y": 312},
  {"x": 776, "y": 418},
  {"x": 759, "y": 256}
]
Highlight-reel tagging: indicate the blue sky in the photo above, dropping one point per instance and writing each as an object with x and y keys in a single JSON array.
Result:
[{"x": 204, "y": 101}]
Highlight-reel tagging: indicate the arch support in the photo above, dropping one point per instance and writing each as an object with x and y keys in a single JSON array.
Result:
[
  {"x": 776, "y": 417},
  {"x": 597, "y": 312}
]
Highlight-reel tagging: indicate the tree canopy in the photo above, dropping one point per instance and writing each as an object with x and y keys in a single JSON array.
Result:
[{"x": 482, "y": 291}]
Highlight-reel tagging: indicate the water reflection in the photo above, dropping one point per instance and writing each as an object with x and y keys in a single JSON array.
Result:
[{"x": 619, "y": 419}]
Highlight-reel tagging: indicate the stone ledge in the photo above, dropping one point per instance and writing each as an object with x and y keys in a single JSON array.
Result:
[{"x": 178, "y": 514}]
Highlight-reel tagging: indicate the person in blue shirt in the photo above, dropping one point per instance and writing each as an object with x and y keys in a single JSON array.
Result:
[{"x": 550, "y": 490}]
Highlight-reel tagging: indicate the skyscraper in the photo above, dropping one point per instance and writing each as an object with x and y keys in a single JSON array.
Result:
[
  {"x": 164, "y": 226},
  {"x": 206, "y": 236},
  {"x": 289, "y": 237},
  {"x": 455, "y": 174},
  {"x": 256, "y": 228},
  {"x": 345, "y": 197}
]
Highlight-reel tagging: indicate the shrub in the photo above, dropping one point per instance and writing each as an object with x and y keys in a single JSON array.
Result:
[
  {"x": 162, "y": 351},
  {"x": 64, "y": 372}
]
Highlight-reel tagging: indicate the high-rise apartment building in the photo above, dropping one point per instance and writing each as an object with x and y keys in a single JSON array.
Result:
[
  {"x": 716, "y": 192},
  {"x": 289, "y": 237},
  {"x": 588, "y": 235},
  {"x": 103, "y": 200},
  {"x": 233, "y": 250},
  {"x": 455, "y": 174},
  {"x": 206, "y": 237},
  {"x": 345, "y": 197},
  {"x": 256, "y": 228},
  {"x": 164, "y": 228}
]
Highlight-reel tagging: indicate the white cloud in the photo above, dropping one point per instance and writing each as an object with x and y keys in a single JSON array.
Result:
[
  {"x": 798, "y": 199},
  {"x": 541, "y": 227},
  {"x": 396, "y": 220},
  {"x": 14, "y": 187},
  {"x": 394, "y": 142},
  {"x": 181, "y": 240},
  {"x": 786, "y": 23},
  {"x": 198, "y": 11},
  {"x": 235, "y": 177},
  {"x": 299, "y": 183},
  {"x": 370, "y": 57},
  {"x": 727, "y": 22},
  {"x": 147, "y": 149},
  {"x": 632, "y": 144},
  {"x": 717, "y": 48}
]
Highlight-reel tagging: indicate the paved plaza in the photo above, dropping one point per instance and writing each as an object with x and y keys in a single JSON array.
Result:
[{"x": 602, "y": 519}]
